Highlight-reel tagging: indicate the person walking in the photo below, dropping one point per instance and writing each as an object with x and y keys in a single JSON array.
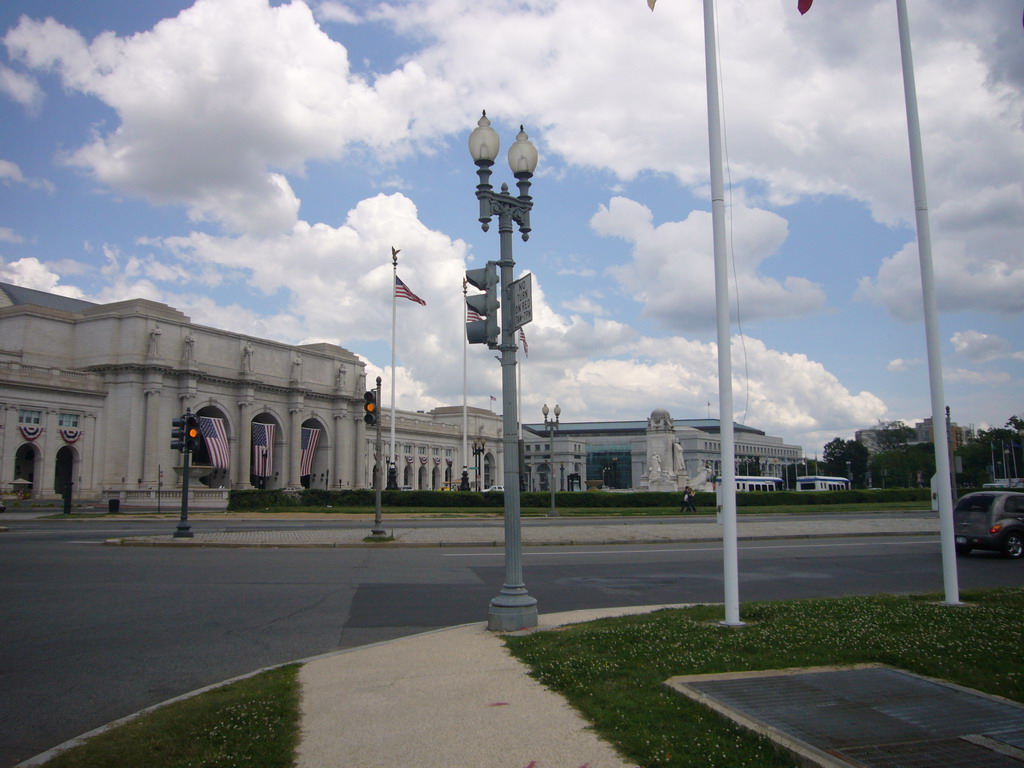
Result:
[{"x": 689, "y": 501}]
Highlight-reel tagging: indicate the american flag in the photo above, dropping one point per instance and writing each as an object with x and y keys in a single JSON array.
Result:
[
  {"x": 310, "y": 437},
  {"x": 522, "y": 339},
  {"x": 262, "y": 449},
  {"x": 216, "y": 439},
  {"x": 472, "y": 315},
  {"x": 402, "y": 291}
]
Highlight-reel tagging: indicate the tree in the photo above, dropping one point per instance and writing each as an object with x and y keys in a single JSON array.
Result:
[
  {"x": 892, "y": 435},
  {"x": 846, "y": 458}
]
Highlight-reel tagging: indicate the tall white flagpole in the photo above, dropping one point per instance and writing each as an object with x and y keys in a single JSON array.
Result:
[
  {"x": 940, "y": 435},
  {"x": 725, "y": 417},
  {"x": 465, "y": 406},
  {"x": 394, "y": 318}
]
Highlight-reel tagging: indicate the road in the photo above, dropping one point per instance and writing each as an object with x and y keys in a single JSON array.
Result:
[{"x": 91, "y": 633}]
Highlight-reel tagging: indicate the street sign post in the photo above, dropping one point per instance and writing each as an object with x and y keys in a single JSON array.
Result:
[{"x": 522, "y": 301}]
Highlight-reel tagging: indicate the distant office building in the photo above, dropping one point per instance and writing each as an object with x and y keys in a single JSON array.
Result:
[{"x": 614, "y": 454}]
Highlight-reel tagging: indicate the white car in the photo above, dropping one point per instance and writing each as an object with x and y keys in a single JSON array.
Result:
[{"x": 499, "y": 488}]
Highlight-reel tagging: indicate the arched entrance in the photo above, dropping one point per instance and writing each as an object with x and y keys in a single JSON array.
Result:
[
  {"x": 264, "y": 471},
  {"x": 64, "y": 471},
  {"x": 314, "y": 471},
  {"x": 25, "y": 460},
  {"x": 488, "y": 471},
  {"x": 211, "y": 462}
]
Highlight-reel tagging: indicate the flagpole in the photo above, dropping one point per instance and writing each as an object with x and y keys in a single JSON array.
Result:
[
  {"x": 940, "y": 435},
  {"x": 725, "y": 418},
  {"x": 394, "y": 317},
  {"x": 465, "y": 406}
]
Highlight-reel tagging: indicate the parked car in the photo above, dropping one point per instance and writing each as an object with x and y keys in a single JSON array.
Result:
[
  {"x": 992, "y": 520},
  {"x": 405, "y": 488},
  {"x": 499, "y": 488}
]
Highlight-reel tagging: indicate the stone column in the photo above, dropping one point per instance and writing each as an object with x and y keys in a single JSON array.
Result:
[
  {"x": 358, "y": 448},
  {"x": 151, "y": 435},
  {"x": 47, "y": 461},
  {"x": 12, "y": 439},
  {"x": 242, "y": 460},
  {"x": 341, "y": 445},
  {"x": 293, "y": 447}
]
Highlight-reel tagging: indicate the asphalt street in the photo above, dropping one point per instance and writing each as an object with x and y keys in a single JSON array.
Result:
[{"x": 93, "y": 632}]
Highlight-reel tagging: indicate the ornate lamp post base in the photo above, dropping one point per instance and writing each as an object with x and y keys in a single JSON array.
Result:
[{"x": 510, "y": 613}]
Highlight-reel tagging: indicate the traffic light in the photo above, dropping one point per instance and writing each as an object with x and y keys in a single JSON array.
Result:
[
  {"x": 370, "y": 415},
  {"x": 485, "y": 305},
  {"x": 178, "y": 434},
  {"x": 192, "y": 434}
]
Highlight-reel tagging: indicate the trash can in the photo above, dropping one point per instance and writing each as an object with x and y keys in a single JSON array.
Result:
[{"x": 114, "y": 506}]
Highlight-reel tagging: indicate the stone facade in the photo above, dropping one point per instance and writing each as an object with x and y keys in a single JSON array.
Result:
[{"x": 88, "y": 393}]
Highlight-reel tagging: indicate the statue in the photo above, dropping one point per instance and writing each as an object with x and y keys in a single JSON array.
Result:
[
  {"x": 247, "y": 357},
  {"x": 655, "y": 466},
  {"x": 677, "y": 458},
  {"x": 154, "y": 342},
  {"x": 189, "y": 348}
]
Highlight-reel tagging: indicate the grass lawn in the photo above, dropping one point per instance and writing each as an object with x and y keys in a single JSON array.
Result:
[
  {"x": 252, "y": 723},
  {"x": 612, "y": 670}
]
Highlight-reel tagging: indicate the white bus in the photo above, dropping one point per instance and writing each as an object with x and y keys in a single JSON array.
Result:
[
  {"x": 822, "y": 483},
  {"x": 751, "y": 483}
]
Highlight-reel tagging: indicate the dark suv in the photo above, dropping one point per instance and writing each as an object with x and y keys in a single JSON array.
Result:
[{"x": 990, "y": 520}]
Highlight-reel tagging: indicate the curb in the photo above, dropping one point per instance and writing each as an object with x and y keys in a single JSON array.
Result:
[{"x": 169, "y": 541}]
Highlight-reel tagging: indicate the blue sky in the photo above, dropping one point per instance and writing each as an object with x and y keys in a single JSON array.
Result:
[{"x": 252, "y": 163}]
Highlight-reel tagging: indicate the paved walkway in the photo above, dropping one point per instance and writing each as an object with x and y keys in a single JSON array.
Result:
[{"x": 544, "y": 533}]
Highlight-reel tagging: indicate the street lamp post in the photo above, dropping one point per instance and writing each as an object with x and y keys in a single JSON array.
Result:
[
  {"x": 478, "y": 457},
  {"x": 513, "y": 608},
  {"x": 552, "y": 425}
]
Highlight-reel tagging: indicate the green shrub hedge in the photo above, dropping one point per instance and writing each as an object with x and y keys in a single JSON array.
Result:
[{"x": 318, "y": 497}]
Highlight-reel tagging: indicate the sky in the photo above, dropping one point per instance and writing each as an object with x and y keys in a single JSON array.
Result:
[{"x": 252, "y": 163}]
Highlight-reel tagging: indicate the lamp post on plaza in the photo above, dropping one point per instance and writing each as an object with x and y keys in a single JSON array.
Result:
[
  {"x": 552, "y": 425},
  {"x": 478, "y": 457},
  {"x": 513, "y": 608}
]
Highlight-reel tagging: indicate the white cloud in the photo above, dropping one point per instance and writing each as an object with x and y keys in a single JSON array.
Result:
[
  {"x": 899, "y": 365},
  {"x": 10, "y": 173},
  {"x": 31, "y": 273},
  {"x": 585, "y": 305},
  {"x": 22, "y": 88},
  {"x": 212, "y": 101},
  {"x": 672, "y": 274},
  {"x": 8, "y": 235},
  {"x": 984, "y": 378},
  {"x": 331, "y": 10},
  {"x": 980, "y": 347}
]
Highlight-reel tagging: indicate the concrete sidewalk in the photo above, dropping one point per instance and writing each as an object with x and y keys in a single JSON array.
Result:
[
  {"x": 543, "y": 532},
  {"x": 454, "y": 697}
]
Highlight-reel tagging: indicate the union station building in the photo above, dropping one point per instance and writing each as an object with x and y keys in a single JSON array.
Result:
[{"x": 88, "y": 393}]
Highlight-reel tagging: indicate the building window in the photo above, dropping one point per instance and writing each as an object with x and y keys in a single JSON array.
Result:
[
  {"x": 422, "y": 450},
  {"x": 68, "y": 420},
  {"x": 29, "y": 417}
]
